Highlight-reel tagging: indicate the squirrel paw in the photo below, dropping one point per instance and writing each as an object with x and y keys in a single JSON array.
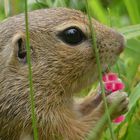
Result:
[{"x": 117, "y": 103}]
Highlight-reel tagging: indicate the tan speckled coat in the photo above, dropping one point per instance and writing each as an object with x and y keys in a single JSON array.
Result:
[{"x": 59, "y": 71}]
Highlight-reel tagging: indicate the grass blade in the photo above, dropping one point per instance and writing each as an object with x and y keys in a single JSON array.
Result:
[
  {"x": 130, "y": 31},
  {"x": 94, "y": 45},
  {"x": 135, "y": 96},
  {"x": 98, "y": 10},
  {"x": 133, "y": 10},
  {"x": 34, "y": 123}
]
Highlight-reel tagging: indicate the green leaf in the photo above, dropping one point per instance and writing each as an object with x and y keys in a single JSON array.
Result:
[
  {"x": 134, "y": 131},
  {"x": 129, "y": 62},
  {"x": 133, "y": 51},
  {"x": 130, "y": 31},
  {"x": 131, "y": 58},
  {"x": 98, "y": 10},
  {"x": 135, "y": 96},
  {"x": 133, "y": 10}
]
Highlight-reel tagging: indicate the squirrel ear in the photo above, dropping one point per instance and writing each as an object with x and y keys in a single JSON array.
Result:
[{"x": 19, "y": 44}]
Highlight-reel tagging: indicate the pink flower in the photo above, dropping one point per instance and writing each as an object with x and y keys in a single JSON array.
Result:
[
  {"x": 119, "y": 119},
  {"x": 110, "y": 77},
  {"x": 114, "y": 86},
  {"x": 113, "y": 83}
]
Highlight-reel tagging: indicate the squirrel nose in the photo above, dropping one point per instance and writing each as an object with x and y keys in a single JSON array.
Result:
[{"x": 122, "y": 43}]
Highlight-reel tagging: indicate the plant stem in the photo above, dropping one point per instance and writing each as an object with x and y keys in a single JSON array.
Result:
[
  {"x": 34, "y": 122},
  {"x": 94, "y": 46}
]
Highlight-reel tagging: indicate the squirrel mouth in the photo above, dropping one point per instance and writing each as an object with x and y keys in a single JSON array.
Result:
[{"x": 105, "y": 70}]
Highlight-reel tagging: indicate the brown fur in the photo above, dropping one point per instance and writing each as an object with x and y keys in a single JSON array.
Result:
[{"x": 59, "y": 71}]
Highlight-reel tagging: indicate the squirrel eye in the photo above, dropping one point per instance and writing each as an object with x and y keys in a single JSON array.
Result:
[{"x": 72, "y": 36}]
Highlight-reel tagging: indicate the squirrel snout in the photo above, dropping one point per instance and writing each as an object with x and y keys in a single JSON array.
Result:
[{"x": 122, "y": 43}]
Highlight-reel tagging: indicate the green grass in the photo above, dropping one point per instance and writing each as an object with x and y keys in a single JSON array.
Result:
[
  {"x": 133, "y": 10},
  {"x": 95, "y": 49},
  {"x": 32, "y": 98},
  {"x": 123, "y": 15}
]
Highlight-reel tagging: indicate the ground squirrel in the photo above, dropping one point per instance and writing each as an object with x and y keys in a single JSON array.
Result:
[{"x": 63, "y": 63}]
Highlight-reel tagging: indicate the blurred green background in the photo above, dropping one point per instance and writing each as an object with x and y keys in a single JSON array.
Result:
[{"x": 124, "y": 16}]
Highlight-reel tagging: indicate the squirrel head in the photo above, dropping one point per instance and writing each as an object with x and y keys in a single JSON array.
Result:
[{"x": 61, "y": 49}]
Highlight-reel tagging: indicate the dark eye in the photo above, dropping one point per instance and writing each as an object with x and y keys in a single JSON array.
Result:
[{"x": 72, "y": 36}]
